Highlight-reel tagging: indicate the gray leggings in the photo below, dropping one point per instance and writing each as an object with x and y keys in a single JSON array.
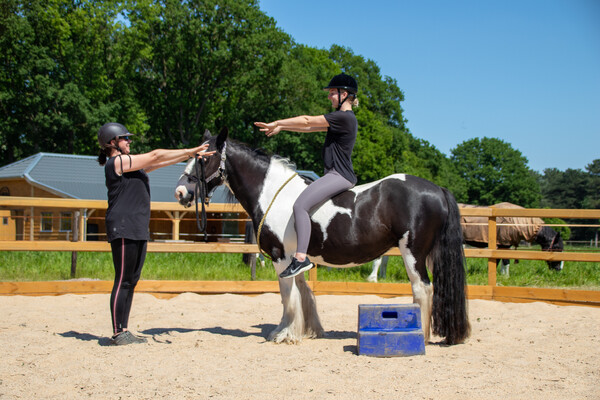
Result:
[{"x": 317, "y": 192}]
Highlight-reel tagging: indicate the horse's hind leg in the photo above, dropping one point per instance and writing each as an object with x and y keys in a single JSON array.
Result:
[
  {"x": 504, "y": 267},
  {"x": 422, "y": 289}
]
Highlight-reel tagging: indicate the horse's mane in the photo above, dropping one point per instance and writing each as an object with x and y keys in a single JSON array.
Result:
[
  {"x": 260, "y": 153},
  {"x": 267, "y": 157}
]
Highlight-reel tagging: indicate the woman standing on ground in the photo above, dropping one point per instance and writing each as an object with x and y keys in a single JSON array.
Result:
[
  {"x": 342, "y": 128},
  {"x": 128, "y": 214}
]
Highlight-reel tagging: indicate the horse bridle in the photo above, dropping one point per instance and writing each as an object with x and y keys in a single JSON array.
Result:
[{"x": 201, "y": 187}]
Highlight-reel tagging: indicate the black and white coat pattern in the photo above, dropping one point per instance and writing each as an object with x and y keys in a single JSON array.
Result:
[{"x": 351, "y": 229}]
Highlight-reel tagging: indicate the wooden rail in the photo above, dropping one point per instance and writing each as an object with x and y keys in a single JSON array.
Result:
[{"x": 167, "y": 288}]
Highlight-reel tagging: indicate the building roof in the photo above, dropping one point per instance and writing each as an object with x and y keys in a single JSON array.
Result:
[{"x": 80, "y": 177}]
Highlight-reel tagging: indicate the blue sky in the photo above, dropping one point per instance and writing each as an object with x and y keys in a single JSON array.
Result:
[{"x": 524, "y": 71}]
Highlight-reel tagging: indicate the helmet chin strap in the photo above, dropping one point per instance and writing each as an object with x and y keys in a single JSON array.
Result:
[
  {"x": 340, "y": 98},
  {"x": 112, "y": 146}
]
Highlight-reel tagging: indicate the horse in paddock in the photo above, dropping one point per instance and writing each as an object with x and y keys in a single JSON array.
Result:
[
  {"x": 510, "y": 232},
  {"x": 352, "y": 228}
]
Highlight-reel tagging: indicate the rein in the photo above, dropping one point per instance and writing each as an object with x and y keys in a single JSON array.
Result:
[
  {"x": 200, "y": 192},
  {"x": 262, "y": 221},
  {"x": 201, "y": 188}
]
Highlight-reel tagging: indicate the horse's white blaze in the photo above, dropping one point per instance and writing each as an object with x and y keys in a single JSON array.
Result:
[{"x": 189, "y": 167}]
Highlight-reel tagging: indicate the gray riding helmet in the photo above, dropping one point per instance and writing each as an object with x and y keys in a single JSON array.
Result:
[{"x": 110, "y": 131}]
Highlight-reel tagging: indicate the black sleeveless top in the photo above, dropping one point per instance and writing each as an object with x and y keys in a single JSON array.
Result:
[
  {"x": 339, "y": 143},
  {"x": 128, "y": 213}
]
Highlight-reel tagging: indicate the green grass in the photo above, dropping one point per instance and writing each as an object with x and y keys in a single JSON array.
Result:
[{"x": 47, "y": 266}]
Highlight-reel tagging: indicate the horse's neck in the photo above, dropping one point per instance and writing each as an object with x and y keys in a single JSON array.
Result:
[
  {"x": 258, "y": 180},
  {"x": 245, "y": 174}
]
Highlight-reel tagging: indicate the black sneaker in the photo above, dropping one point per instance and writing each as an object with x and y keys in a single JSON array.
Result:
[
  {"x": 296, "y": 268},
  {"x": 126, "y": 337}
]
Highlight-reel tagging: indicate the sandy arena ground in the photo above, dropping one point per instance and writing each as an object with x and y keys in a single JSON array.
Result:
[{"x": 214, "y": 347}]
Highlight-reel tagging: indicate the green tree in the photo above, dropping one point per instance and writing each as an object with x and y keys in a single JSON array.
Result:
[
  {"x": 494, "y": 172},
  {"x": 566, "y": 189},
  {"x": 53, "y": 83},
  {"x": 592, "y": 197},
  {"x": 202, "y": 65},
  {"x": 573, "y": 189}
]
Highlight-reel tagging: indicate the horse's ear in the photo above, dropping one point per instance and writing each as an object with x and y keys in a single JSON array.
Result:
[
  {"x": 222, "y": 137},
  {"x": 206, "y": 136}
]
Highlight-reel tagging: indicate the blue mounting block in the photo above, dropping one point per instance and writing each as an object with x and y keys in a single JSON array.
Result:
[{"x": 390, "y": 330}]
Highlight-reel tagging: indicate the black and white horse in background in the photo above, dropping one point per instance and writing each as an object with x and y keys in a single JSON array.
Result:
[
  {"x": 354, "y": 227},
  {"x": 510, "y": 232}
]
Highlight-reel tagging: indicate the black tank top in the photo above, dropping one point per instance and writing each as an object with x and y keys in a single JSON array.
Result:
[
  {"x": 128, "y": 213},
  {"x": 339, "y": 143}
]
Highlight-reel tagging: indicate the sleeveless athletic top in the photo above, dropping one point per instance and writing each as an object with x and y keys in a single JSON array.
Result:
[
  {"x": 128, "y": 213},
  {"x": 339, "y": 143}
]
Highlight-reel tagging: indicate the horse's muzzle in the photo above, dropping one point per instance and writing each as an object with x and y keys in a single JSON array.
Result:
[{"x": 184, "y": 195}]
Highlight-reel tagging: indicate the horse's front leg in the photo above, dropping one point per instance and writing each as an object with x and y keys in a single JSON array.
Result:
[
  {"x": 312, "y": 322},
  {"x": 300, "y": 318},
  {"x": 376, "y": 265},
  {"x": 291, "y": 327}
]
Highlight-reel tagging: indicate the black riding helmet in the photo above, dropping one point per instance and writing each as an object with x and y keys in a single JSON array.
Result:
[
  {"x": 343, "y": 82},
  {"x": 110, "y": 131}
]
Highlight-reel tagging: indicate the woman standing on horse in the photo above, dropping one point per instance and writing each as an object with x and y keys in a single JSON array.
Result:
[
  {"x": 342, "y": 128},
  {"x": 128, "y": 214}
]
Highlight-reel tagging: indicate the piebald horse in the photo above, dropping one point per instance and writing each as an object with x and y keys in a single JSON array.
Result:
[{"x": 352, "y": 228}]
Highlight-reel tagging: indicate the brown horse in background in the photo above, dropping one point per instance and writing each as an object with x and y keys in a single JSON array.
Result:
[{"x": 511, "y": 231}]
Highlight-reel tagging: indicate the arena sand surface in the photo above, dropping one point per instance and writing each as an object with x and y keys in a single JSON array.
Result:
[{"x": 214, "y": 347}]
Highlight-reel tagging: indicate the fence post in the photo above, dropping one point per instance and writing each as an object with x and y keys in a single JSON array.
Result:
[
  {"x": 312, "y": 274},
  {"x": 492, "y": 262},
  {"x": 74, "y": 238},
  {"x": 250, "y": 258}
]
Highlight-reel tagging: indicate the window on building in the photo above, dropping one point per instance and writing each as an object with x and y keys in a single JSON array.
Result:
[
  {"x": 66, "y": 219},
  {"x": 4, "y": 220},
  {"x": 46, "y": 223}
]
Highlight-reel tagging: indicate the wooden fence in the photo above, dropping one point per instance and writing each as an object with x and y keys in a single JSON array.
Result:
[{"x": 168, "y": 288}]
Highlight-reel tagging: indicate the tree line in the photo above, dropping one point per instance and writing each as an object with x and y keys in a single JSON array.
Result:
[{"x": 169, "y": 70}]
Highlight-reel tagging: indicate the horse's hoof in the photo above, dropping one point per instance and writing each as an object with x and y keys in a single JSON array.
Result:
[{"x": 283, "y": 336}]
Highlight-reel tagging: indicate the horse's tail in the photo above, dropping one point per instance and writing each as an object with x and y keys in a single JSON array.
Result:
[{"x": 449, "y": 310}]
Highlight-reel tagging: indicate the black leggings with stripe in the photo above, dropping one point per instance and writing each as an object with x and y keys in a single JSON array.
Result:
[{"x": 128, "y": 258}]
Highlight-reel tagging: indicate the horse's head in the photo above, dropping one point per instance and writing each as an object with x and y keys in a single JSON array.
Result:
[
  {"x": 207, "y": 177},
  {"x": 552, "y": 242}
]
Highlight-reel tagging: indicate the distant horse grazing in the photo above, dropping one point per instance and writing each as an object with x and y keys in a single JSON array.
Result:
[
  {"x": 510, "y": 232},
  {"x": 354, "y": 227}
]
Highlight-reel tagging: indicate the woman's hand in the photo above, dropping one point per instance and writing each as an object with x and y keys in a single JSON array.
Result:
[
  {"x": 200, "y": 151},
  {"x": 269, "y": 129}
]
